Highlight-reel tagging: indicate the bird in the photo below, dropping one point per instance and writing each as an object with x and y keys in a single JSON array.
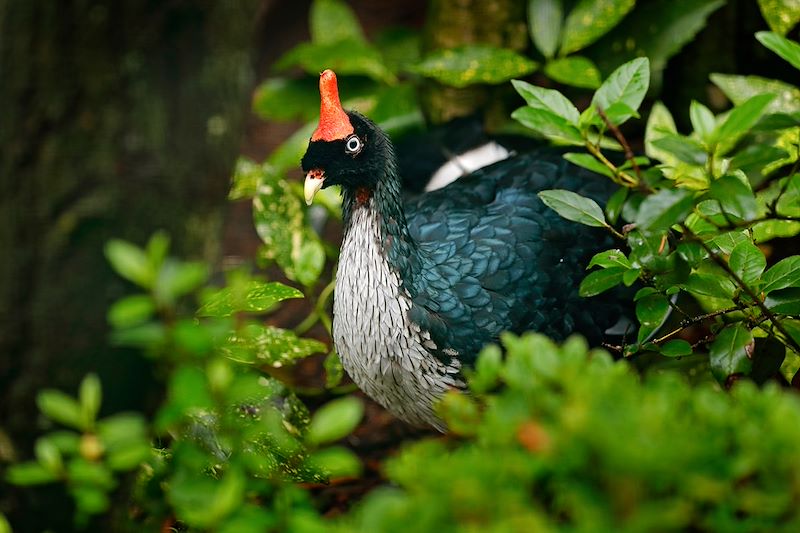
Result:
[{"x": 424, "y": 282}]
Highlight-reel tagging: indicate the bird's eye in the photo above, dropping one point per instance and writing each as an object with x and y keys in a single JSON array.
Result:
[{"x": 353, "y": 145}]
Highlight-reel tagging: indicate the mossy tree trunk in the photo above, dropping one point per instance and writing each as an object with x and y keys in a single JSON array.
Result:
[{"x": 117, "y": 118}]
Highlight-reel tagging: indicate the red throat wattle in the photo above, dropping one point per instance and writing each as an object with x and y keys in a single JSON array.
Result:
[{"x": 334, "y": 123}]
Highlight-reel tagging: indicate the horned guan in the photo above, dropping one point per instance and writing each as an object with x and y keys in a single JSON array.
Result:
[{"x": 424, "y": 283}]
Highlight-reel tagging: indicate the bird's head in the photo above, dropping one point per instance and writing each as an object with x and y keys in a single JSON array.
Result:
[{"x": 346, "y": 148}]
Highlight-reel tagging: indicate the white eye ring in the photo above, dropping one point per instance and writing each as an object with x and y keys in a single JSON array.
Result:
[{"x": 353, "y": 145}]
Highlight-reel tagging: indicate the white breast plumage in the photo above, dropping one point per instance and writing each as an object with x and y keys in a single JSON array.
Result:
[{"x": 384, "y": 352}]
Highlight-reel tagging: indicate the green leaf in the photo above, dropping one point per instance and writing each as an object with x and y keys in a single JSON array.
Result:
[
  {"x": 739, "y": 89},
  {"x": 734, "y": 196},
  {"x": 29, "y": 473},
  {"x": 702, "y": 119},
  {"x": 400, "y": 47},
  {"x": 574, "y": 207},
  {"x": 651, "y": 311},
  {"x": 268, "y": 345},
  {"x": 626, "y": 85},
  {"x": 286, "y": 99},
  {"x": 337, "y": 462},
  {"x": 60, "y": 408},
  {"x": 157, "y": 248},
  {"x": 130, "y": 262},
  {"x": 741, "y": 118},
  {"x": 747, "y": 261},
  {"x": 781, "y": 15},
  {"x": 576, "y": 71},
  {"x": 786, "y": 49},
  {"x": 131, "y": 311},
  {"x": 334, "y": 372},
  {"x": 609, "y": 258},
  {"x": 90, "y": 396},
  {"x": 332, "y": 21},
  {"x": 588, "y": 162},
  {"x": 345, "y": 57},
  {"x": 253, "y": 297},
  {"x": 548, "y": 124},
  {"x": 659, "y": 123},
  {"x": 471, "y": 64},
  {"x": 676, "y": 348},
  {"x": 309, "y": 262},
  {"x": 785, "y": 273},
  {"x": 600, "y": 281},
  {"x": 548, "y": 100},
  {"x": 545, "y": 20},
  {"x": 682, "y": 148},
  {"x": 784, "y": 301},
  {"x": 487, "y": 370},
  {"x": 177, "y": 278},
  {"x": 730, "y": 352},
  {"x": 48, "y": 455},
  {"x": 661, "y": 210},
  {"x": 710, "y": 285},
  {"x": 658, "y": 29},
  {"x": 615, "y": 204},
  {"x": 591, "y": 19},
  {"x": 335, "y": 420}
]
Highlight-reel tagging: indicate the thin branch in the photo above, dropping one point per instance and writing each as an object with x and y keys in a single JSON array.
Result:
[
  {"x": 745, "y": 287},
  {"x": 622, "y": 141}
]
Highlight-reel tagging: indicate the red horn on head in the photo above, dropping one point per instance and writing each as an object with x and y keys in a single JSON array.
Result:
[{"x": 334, "y": 123}]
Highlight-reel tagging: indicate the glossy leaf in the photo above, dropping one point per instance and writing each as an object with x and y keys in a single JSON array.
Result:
[
  {"x": 576, "y": 71},
  {"x": 747, "y": 261},
  {"x": 734, "y": 196},
  {"x": 548, "y": 124},
  {"x": 345, "y": 57},
  {"x": 661, "y": 210},
  {"x": 676, "y": 348},
  {"x": 785, "y": 48},
  {"x": 591, "y": 19},
  {"x": 588, "y": 162},
  {"x": 702, "y": 120},
  {"x": 659, "y": 123},
  {"x": 742, "y": 118},
  {"x": 254, "y": 297},
  {"x": 545, "y": 20},
  {"x": 651, "y": 311},
  {"x": 468, "y": 65},
  {"x": 548, "y": 100},
  {"x": 268, "y": 345},
  {"x": 709, "y": 285},
  {"x": 784, "y": 301},
  {"x": 626, "y": 85},
  {"x": 785, "y": 273},
  {"x": 730, "y": 352},
  {"x": 574, "y": 207},
  {"x": 335, "y": 420},
  {"x": 600, "y": 281},
  {"x": 682, "y": 148},
  {"x": 609, "y": 258}
]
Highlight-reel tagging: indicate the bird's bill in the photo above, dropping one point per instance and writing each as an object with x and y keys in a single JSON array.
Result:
[{"x": 314, "y": 180}]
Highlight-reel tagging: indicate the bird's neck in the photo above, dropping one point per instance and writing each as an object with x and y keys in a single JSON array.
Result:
[{"x": 385, "y": 201}]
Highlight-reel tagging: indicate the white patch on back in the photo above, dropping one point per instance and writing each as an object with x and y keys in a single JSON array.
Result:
[
  {"x": 470, "y": 161},
  {"x": 380, "y": 347}
]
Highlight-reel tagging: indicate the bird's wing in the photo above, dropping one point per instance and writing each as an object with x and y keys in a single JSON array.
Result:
[{"x": 495, "y": 258}]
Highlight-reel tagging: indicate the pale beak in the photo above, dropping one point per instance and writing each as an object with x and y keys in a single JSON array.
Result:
[{"x": 314, "y": 180}]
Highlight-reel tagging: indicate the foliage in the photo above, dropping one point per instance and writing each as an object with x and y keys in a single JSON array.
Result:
[
  {"x": 693, "y": 223},
  {"x": 227, "y": 437},
  {"x": 576, "y": 442}
]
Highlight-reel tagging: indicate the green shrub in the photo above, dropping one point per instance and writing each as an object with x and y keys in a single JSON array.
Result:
[{"x": 577, "y": 442}]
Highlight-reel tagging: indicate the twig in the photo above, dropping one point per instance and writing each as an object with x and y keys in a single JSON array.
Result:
[
  {"x": 622, "y": 141},
  {"x": 694, "y": 320},
  {"x": 745, "y": 287}
]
